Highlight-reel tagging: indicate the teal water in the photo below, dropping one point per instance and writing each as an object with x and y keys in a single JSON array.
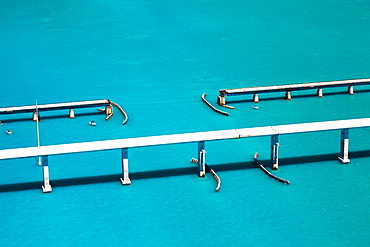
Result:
[{"x": 155, "y": 59}]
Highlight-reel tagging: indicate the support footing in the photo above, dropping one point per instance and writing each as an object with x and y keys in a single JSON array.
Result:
[
  {"x": 108, "y": 110},
  {"x": 288, "y": 95},
  {"x": 344, "y": 161},
  {"x": 35, "y": 116},
  {"x": 255, "y": 98},
  {"x": 71, "y": 113},
  {"x": 320, "y": 93},
  {"x": 125, "y": 181},
  {"x": 46, "y": 189},
  {"x": 221, "y": 100},
  {"x": 351, "y": 90},
  {"x": 275, "y": 167}
]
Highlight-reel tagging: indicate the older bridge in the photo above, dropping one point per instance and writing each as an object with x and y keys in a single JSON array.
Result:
[{"x": 289, "y": 88}]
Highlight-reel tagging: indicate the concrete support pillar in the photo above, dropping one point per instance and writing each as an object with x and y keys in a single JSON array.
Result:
[
  {"x": 108, "y": 110},
  {"x": 288, "y": 95},
  {"x": 71, "y": 113},
  {"x": 344, "y": 145},
  {"x": 125, "y": 180},
  {"x": 46, "y": 187},
  {"x": 350, "y": 90},
  {"x": 221, "y": 100},
  {"x": 201, "y": 159},
  {"x": 255, "y": 98},
  {"x": 36, "y": 116},
  {"x": 320, "y": 93},
  {"x": 274, "y": 151}
]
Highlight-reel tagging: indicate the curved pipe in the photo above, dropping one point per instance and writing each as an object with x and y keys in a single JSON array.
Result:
[
  {"x": 269, "y": 173},
  {"x": 214, "y": 108},
  {"x": 122, "y": 111},
  {"x": 217, "y": 178}
]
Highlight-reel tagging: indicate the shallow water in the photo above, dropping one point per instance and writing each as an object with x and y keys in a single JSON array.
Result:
[{"x": 155, "y": 59}]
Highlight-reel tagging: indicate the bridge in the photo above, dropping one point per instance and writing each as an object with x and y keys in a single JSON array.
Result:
[
  {"x": 289, "y": 88},
  {"x": 199, "y": 137},
  {"x": 36, "y": 109}
]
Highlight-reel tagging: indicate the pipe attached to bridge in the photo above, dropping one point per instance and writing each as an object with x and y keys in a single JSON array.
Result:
[
  {"x": 269, "y": 173},
  {"x": 215, "y": 176}
]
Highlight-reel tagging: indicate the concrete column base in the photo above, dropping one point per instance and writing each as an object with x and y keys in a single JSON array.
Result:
[
  {"x": 255, "y": 98},
  {"x": 320, "y": 93},
  {"x": 126, "y": 181},
  {"x": 108, "y": 110},
  {"x": 46, "y": 189},
  {"x": 71, "y": 113},
  {"x": 288, "y": 95},
  {"x": 351, "y": 90},
  {"x": 221, "y": 100},
  {"x": 344, "y": 161},
  {"x": 36, "y": 117}
]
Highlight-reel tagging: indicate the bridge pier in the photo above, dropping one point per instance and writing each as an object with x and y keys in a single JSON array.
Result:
[
  {"x": 344, "y": 145},
  {"x": 288, "y": 95},
  {"x": 45, "y": 168},
  {"x": 351, "y": 90},
  {"x": 221, "y": 100},
  {"x": 125, "y": 180},
  {"x": 295, "y": 87},
  {"x": 71, "y": 113},
  {"x": 108, "y": 110},
  {"x": 255, "y": 98},
  {"x": 319, "y": 92},
  {"x": 36, "y": 116},
  {"x": 201, "y": 159},
  {"x": 274, "y": 151}
]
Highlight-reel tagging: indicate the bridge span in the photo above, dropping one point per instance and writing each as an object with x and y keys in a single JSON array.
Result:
[
  {"x": 289, "y": 88},
  {"x": 198, "y": 137},
  {"x": 35, "y": 109}
]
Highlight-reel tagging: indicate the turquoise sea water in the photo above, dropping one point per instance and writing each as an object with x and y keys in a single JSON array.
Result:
[{"x": 155, "y": 59}]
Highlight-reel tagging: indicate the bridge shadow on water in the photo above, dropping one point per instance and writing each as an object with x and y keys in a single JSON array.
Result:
[
  {"x": 191, "y": 170},
  {"x": 23, "y": 119}
]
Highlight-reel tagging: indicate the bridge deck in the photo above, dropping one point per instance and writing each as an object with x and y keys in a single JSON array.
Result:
[
  {"x": 182, "y": 138},
  {"x": 294, "y": 87},
  {"x": 55, "y": 106}
]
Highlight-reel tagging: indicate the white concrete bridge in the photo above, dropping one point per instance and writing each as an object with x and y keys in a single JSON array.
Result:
[{"x": 198, "y": 137}]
